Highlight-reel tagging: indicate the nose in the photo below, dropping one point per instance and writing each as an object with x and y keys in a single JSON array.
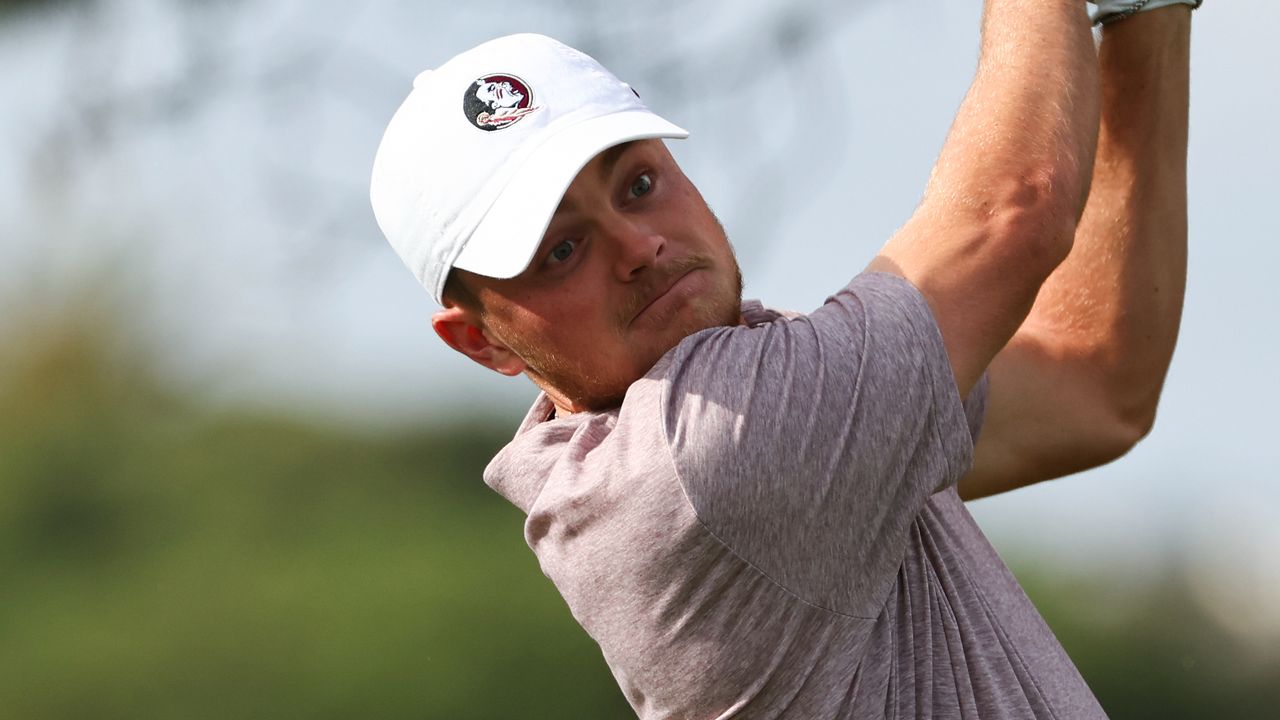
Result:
[{"x": 638, "y": 248}]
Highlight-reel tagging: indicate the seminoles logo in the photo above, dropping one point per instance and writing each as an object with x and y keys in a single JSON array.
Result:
[{"x": 497, "y": 101}]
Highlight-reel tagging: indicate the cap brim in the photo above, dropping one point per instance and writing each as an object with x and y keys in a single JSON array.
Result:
[{"x": 505, "y": 240}]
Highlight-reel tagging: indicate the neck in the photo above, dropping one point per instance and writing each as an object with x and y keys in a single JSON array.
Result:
[{"x": 564, "y": 406}]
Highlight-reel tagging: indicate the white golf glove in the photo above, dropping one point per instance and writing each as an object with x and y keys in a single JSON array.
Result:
[{"x": 1110, "y": 11}]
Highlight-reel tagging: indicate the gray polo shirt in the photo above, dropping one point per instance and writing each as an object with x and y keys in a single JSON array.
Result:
[{"x": 768, "y": 527}]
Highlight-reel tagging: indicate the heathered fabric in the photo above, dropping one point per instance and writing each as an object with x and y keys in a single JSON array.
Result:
[{"x": 768, "y": 528}]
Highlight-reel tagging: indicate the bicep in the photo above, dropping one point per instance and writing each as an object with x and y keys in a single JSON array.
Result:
[{"x": 1048, "y": 414}]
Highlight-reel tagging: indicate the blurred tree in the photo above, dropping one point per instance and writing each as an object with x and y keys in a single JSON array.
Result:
[
  {"x": 11, "y": 8},
  {"x": 163, "y": 561}
]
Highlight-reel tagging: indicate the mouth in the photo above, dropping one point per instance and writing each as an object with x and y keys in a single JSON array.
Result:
[{"x": 665, "y": 289}]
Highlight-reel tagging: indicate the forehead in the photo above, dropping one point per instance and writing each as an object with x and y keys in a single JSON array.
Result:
[
  {"x": 604, "y": 161},
  {"x": 601, "y": 167}
]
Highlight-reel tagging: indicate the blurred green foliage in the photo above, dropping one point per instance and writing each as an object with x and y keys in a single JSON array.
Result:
[
  {"x": 163, "y": 562},
  {"x": 20, "y": 7},
  {"x": 1148, "y": 650},
  {"x": 159, "y": 560}
]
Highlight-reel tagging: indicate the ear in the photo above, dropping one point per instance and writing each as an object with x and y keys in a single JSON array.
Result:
[{"x": 463, "y": 332}]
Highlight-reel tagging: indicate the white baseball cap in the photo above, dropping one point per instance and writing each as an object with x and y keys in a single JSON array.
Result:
[{"x": 476, "y": 160}]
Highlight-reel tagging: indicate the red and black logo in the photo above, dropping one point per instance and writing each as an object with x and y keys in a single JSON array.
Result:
[{"x": 497, "y": 101}]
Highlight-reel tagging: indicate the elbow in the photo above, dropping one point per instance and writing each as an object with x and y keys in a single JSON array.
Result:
[
  {"x": 1126, "y": 428},
  {"x": 1060, "y": 184},
  {"x": 1056, "y": 208},
  {"x": 1036, "y": 215},
  {"x": 1134, "y": 401},
  {"x": 1137, "y": 422},
  {"x": 1109, "y": 425}
]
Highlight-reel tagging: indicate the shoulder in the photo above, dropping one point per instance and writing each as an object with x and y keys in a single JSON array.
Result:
[
  {"x": 820, "y": 433},
  {"x": 874, "y": 340}
]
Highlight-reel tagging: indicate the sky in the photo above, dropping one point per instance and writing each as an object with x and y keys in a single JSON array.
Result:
[{"x": 209, "y": 163}]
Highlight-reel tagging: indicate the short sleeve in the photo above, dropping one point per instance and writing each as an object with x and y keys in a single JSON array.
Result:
[{"x": 808, "y": 445}]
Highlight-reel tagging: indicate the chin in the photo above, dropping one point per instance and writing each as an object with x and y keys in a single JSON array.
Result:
[{"x": 587, "y": 389}]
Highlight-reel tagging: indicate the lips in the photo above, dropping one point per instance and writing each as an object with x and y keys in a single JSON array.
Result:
[{"x": 673, "y": 278}]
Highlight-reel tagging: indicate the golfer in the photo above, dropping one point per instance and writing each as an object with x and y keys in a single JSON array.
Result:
[{"x": 758, "y": 514}]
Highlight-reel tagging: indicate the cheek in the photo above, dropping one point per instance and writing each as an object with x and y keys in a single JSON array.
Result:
[
  {"x": 571, "y": 326},
  {"x": 582, "y": 299}
]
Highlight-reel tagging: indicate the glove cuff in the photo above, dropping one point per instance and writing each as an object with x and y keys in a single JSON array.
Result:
[{"x": 1110, "y": 11}]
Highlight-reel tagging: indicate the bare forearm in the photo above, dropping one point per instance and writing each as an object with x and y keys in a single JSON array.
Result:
[
  {"x": 1004, "y": 199},
  {"x": 1029, "y": 121},
  {"x": 1118, "y": 296},
  {"x": 1077, "y": 385}
]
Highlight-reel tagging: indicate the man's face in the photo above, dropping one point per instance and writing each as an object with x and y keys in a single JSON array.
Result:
[{"x": 632, "y": 262}]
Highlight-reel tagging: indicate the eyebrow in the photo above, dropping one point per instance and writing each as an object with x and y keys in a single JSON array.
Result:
[{"x": 609, "y": 158}]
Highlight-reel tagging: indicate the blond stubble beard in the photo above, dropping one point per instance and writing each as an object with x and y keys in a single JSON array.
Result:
[{"x": 559, "y": 375}]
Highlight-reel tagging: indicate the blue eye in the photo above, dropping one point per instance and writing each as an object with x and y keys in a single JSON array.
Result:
[
  {"x": 641, "y": 185},
  {"x": 561, "y": 252}
]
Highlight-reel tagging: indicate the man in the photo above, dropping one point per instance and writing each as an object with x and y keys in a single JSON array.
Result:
[{"x": 756, "y": 515}]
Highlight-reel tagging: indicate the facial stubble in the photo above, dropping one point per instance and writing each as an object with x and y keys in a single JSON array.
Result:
[{"x": 576, "y": 380}]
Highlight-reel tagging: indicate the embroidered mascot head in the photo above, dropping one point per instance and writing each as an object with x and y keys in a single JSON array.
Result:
[{"x": 497, "y": 101}]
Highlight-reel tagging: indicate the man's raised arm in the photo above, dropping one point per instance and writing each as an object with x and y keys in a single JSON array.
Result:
[
  {"x": 1002, "y": 205},
  {"x": 1077, "y": 385}
]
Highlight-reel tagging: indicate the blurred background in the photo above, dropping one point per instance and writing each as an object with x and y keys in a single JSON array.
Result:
[{"x": 240, "y": 478}]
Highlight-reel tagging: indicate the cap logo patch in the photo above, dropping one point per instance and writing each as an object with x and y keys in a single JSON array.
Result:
[{"x": 497, "y": 101}]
